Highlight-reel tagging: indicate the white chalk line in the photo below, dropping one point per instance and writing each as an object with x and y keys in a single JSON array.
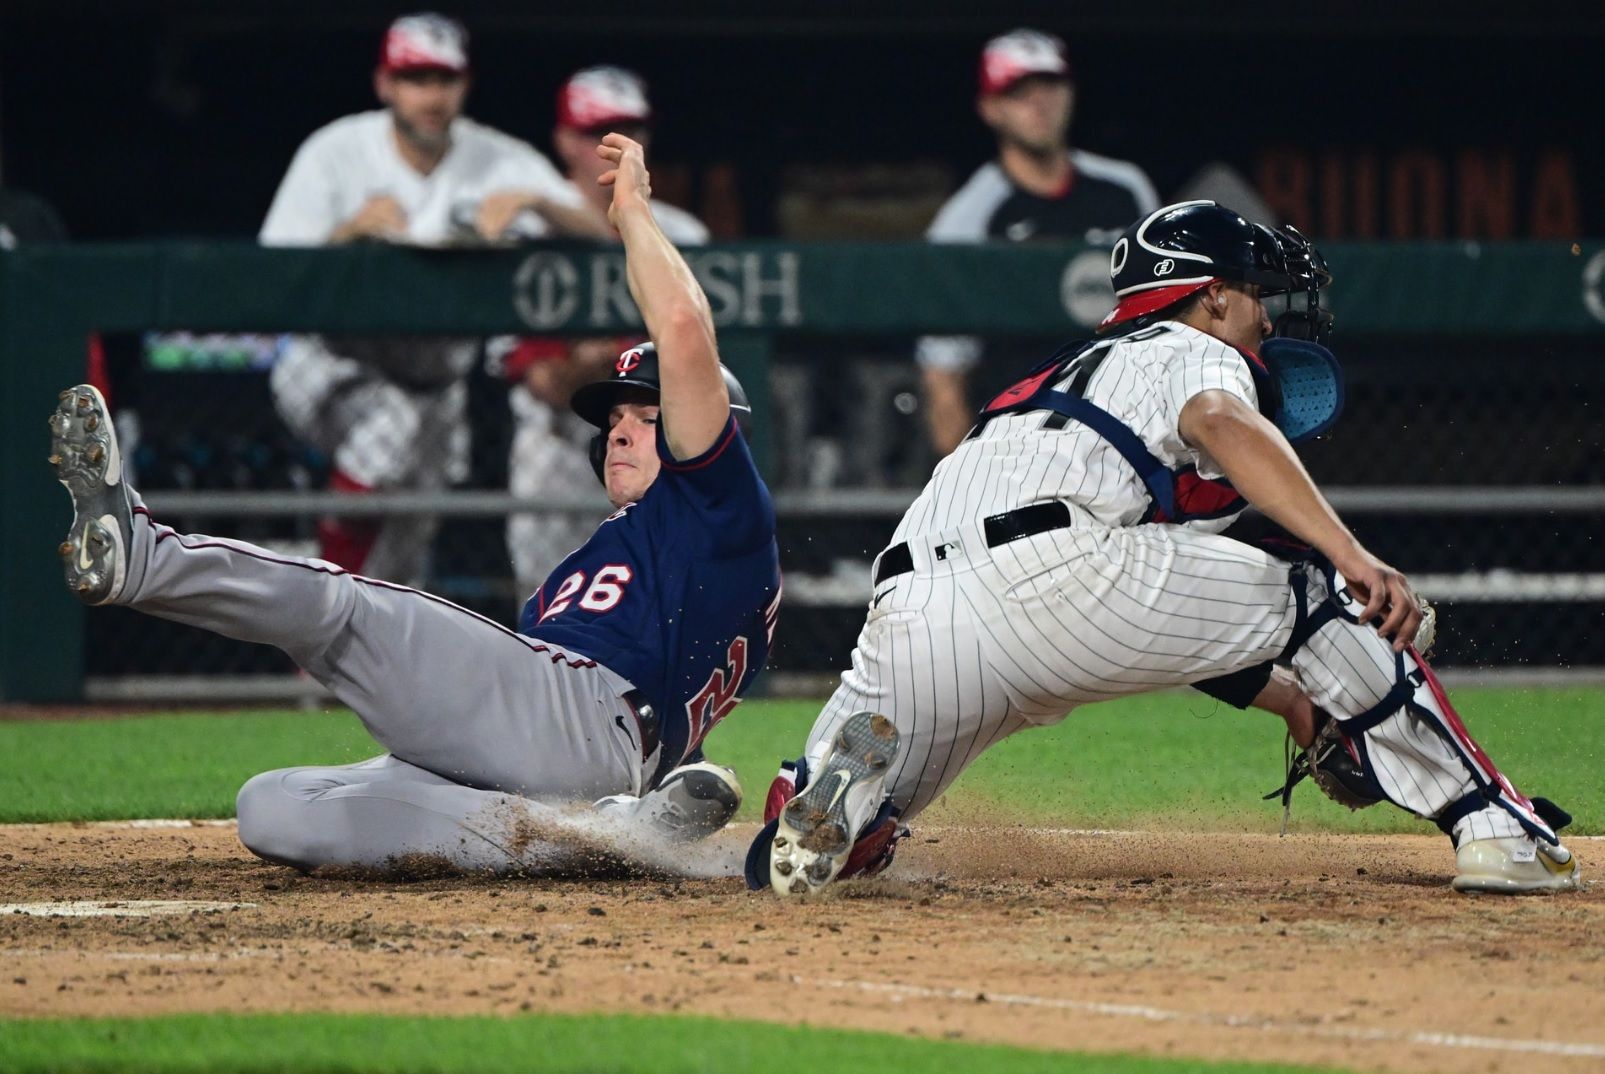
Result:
[
  {"x": 120, "y": 907},
  {"x": 1212, "y": 1018},
  {"x": 143, "y": 956}
]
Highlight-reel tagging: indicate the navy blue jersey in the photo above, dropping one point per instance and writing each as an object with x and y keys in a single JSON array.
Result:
[{"x": 678, "y": 593}]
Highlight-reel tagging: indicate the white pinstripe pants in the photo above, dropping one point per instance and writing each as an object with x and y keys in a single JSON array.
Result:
[{"x": 976, "y": 643}]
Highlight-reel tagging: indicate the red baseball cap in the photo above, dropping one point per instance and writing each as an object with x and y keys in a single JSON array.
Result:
[
  {"x": 425, "y": 42},
  {"x": 1018, "y": 54},
  {"x": 601, "y": 97}
]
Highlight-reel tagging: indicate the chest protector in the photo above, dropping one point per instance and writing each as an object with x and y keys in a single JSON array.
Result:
[{"x": 1175, "y": 494}]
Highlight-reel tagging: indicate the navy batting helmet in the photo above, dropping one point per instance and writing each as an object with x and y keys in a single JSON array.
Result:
[
  {"x": 1180, "y": 249},
  {"x": 637, "y": 370}
]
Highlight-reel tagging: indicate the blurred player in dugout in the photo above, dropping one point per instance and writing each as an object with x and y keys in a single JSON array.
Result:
[
  {"x": 549, "y": 454},
  {"x": 390, "y": 412},
  {"x": 1038, "y": 188}
]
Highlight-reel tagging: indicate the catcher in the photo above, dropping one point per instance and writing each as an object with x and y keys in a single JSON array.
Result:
[{"x": 1069, "y": 551}]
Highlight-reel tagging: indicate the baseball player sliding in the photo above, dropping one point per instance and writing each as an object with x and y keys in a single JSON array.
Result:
[
  {"x": 1068, "y": 551},
  {"x": 638, "y": 644}
]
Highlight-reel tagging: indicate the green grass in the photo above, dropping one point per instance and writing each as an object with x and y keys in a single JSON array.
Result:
[
  {"x": 1158, "y": 760},
  {"x": 306, "y": 1044},
  {"x": 1145, "y": 762}
]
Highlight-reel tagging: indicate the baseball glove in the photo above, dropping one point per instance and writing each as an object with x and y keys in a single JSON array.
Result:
[{"x": 1333, "y": 764}]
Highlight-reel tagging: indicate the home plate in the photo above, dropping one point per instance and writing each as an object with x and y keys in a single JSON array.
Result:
[{"x": 120, "y": 908}]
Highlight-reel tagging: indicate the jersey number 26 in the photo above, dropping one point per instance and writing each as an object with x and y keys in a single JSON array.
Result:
[{"x": 603, "y": 595}]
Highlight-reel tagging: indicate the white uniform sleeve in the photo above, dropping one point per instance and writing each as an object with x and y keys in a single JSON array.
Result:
[
  {"x": 951, "y": 354},
  {"x": 304, "y": 209},
  {"x": 527, "y": 170},
  {"x": 679, "y": 226},
  {"x": 1207, "y": 366},
  {"x": 1143, "y": 190},
  {"x": 533, "y": 172},
  {"x": 962, "y": 219}
]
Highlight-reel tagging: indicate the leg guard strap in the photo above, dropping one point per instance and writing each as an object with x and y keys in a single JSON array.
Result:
[
  {"x": 1475, "y": 802},
  {"x": 1305, "y": 622},
  {"x": 1396, "y": 699}
]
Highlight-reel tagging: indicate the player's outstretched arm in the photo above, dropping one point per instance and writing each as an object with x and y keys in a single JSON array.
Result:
[
  {"x": 1262, "y": 465},
  {"x": 695, "y": 404}
]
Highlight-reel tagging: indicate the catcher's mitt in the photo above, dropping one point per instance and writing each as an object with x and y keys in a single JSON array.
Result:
[{"x": 1334, "y": 766}]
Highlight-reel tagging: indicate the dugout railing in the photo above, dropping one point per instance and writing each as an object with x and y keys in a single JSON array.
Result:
[{"x": 1477, "y": 368}]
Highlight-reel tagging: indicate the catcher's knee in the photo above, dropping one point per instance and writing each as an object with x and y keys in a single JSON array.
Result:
[{"x": 1238, "y": 689}]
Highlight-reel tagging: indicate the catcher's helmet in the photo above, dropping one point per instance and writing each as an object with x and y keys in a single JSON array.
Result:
[
  {"x": 1180, "y": 249},
  {"x": 637, "y": 368}
]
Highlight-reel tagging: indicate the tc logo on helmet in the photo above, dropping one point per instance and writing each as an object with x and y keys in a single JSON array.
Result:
[
  {"x": 1165, "y": 267},
  {"x": 627, "y": 363}
]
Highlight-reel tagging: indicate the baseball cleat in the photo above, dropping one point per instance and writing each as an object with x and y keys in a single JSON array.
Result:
[
  {"x": 692, "y": 802},
  {"x": 1514, "y": 866},
  {"x": 815, "y": 830},
  {"x": 83, "y": 451}
]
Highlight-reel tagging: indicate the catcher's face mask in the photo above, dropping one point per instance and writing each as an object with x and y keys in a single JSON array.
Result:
[{"x": 1287, "y": 263}]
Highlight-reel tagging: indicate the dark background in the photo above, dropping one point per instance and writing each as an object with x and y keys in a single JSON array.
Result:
[
  {"x": 141, "y": 119},
  {"x": 179, "y": 118}
]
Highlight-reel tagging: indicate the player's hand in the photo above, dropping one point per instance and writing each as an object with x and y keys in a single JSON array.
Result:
[
  {"x": 1387, "y": 593},
  {"x": 632, "y": 185},
  {"x": 497, "y": 211},
  {"x": 381, "y": 217}
]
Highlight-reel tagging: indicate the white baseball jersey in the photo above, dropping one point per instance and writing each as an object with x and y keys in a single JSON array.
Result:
[
  {"x": 1015, "y": 460},
  {"x": 343, "y": 165},
  {"x": 978, "y": 628}
]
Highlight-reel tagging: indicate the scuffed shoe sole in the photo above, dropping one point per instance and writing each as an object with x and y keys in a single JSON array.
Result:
[
  {"x": 83, "y": 452},
  {"x": 814, "y": 837}
]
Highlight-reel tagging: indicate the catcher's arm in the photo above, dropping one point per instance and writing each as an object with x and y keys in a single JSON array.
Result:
[{"x": 1261, "y": 465}]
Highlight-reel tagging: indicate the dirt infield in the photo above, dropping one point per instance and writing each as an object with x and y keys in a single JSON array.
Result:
[{"x": 1335, "y": 949}]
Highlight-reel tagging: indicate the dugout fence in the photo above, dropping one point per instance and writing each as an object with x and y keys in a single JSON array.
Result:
[{"x": 1470, "y": 452}]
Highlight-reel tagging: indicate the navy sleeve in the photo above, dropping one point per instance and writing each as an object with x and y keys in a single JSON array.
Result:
[{"x": 722, "y": 487}]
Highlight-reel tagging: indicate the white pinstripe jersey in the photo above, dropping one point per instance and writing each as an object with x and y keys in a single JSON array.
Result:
[{"x": 1143, "y": 379}]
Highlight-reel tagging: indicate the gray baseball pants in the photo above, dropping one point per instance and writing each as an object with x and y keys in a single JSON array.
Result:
[{"x": 476, "y": 718}]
